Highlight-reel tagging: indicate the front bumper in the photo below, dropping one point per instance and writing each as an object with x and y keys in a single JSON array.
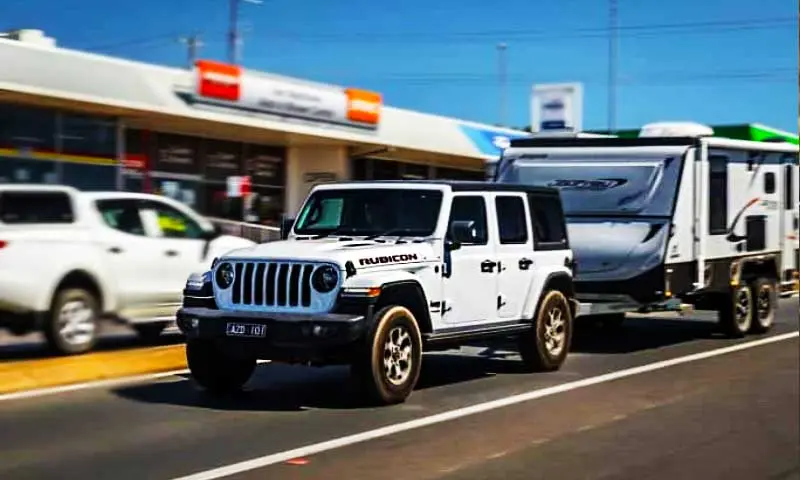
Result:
[{"x": 286, "y": 337}]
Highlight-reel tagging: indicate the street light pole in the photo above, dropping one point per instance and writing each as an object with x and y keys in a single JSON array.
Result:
[
  {"x": 502, "y": 80},
  {"x": 234, "y": 36},
  {"x": 612, "y": 64}
]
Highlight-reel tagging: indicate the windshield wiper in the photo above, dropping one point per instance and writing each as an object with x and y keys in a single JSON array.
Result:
[{"x": 335, "y": 231}]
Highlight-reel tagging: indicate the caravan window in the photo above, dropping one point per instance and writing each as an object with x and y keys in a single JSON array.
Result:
[
  {"x": 769, "y": 182},
  {"x": 718, "y": 195},
  {"x": 788, "y": 189}
]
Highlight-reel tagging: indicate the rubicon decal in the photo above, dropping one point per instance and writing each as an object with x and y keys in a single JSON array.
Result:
[
  {"x": 218, "y": 80},
  {"x": 403, "y": 257}
]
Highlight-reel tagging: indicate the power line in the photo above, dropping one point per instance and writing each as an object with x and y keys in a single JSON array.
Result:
[
  {"x": 524, "y": 36},
  {"x": 193, "y": 43}
]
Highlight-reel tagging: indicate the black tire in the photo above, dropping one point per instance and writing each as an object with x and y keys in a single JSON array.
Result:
[
  {"x": 395, "y": 329},
  {"x": 77, "y": 307},
  {"x": 150, "y": 332},
  {"x": 540, "y": 350},
  {"x": 736, "y": 312},
  {"x": 218, "y": 372},
  {"x": 765, "y": 302}
]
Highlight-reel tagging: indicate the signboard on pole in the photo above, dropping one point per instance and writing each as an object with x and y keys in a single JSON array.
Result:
[{"x": 557, "y": 108}]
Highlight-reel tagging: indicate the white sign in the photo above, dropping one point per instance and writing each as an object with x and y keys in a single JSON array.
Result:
[
  {"x": 249, "y": 90},
  {"x": 557, "y": 108},
  {"x": 238, "y": 186}
]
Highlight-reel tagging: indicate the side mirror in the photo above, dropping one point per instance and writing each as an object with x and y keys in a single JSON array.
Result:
[
  {"x": 462, "y": 231},
  {"x": 286, "y": 227}
]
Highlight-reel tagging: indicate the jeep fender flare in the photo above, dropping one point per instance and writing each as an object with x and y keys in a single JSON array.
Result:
[
  {"x": 559, "y": 278},
  {"x": 410, "y": 294}
]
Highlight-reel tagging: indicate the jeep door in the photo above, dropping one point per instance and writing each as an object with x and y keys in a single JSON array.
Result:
[
  {"x": 514, "y": 253},
  {"x": 470, "y": 288}
]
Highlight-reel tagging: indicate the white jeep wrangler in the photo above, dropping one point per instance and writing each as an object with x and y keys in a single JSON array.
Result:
[{"x": 371, "y": 274}]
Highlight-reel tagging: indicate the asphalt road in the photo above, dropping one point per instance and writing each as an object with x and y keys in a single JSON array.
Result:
[{"x": 733, "y": 416}]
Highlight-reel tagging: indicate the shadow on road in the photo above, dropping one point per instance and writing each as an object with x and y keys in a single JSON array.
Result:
[
  {"x": 278, "y": 387},
  {"x": 637, "y": 334}
]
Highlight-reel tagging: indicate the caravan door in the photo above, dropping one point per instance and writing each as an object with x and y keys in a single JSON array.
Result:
[{"x": 791, "y": 228}]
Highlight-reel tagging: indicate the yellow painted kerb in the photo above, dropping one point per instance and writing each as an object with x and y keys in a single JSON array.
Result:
[{"x": 18, "y": 376}]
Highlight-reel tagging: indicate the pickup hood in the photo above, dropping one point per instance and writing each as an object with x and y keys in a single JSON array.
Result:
[{"x": 363, "y": 253}]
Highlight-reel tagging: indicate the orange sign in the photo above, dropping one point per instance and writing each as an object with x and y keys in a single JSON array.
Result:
[
  {"x": 363, "y": 106},
  {"x": 219, "y": 80}
]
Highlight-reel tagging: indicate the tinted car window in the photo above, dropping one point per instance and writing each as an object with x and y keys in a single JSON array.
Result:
[{"x": 35, "y": 207}]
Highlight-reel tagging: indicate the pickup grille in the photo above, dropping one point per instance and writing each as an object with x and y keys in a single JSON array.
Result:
[{"x": 272, "y": 284}]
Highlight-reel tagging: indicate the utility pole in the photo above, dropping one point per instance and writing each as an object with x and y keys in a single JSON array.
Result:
[
  {"x": 193, "y": 43},
  {"x": 613, "y": 40},
  {"x": 502, "y": 80},
  {"x": 234, "y": 35}
]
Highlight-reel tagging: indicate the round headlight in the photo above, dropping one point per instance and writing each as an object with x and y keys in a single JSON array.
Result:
[
  {"x": 225, "y": 275},
  {"x": 325, "y": 279}
]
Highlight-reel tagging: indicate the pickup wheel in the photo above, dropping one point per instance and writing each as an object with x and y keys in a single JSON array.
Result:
[
  {"x": 765, "y": 300},
  {"x": 545, "y": 346},
  {"x": 388, "y": 368},
  {"x": 218, "y": 372},
  {"x": 736, "y": 311},
  {"x": 71, "y": 325}
]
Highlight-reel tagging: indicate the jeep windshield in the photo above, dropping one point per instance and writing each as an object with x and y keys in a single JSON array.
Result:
[{"x": 370, "y": 212}]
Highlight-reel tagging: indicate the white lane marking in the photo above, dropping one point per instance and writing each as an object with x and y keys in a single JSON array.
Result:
[
  {"x": 388, "y": 430},
  {"x": 110, "y": 383}
]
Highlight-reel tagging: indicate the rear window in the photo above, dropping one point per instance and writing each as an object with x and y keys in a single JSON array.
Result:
[{"x": 17, "y": 208}]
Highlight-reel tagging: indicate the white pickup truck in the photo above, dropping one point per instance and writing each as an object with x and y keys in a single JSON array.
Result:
[{"x": 69, "y": 259}]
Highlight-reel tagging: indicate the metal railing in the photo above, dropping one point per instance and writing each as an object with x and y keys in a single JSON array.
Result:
[{"x": 251, "y": 231}]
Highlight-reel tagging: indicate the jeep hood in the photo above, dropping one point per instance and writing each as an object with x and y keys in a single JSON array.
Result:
[{"x": 363, "y": 253}]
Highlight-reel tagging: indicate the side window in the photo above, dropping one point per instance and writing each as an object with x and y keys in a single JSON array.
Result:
[
  {"x": 471, "y": 208},
  {"x": 788, "y": 189},
  {"x": 769, "y": 182},
  {"x": 174, "y": 223},
  {"x": 122, "y": 215},
  {"x": 547, "y": 218},
  {"x": 511, "y": 219},
  {"x": 718, "y": 195},
  {"x": 19, "y": 208}
]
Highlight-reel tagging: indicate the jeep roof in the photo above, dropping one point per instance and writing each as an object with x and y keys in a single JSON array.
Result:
[{"x": 454, "y": 185}]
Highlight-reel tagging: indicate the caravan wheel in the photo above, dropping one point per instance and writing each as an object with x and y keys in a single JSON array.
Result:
[
  {"x": 736, "y": 312},
  {"x": 765, "y": 297}
]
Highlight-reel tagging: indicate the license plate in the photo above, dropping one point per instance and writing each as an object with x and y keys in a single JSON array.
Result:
[{"x": 246, "y": 330}]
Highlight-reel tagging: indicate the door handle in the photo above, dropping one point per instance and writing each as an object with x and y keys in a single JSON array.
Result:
[
  {"x": 115, "y": 250},
  {"x": 487, "y": 266},
  {"x": 525, "y": 263},
  {"x": 171, "y": 253}
]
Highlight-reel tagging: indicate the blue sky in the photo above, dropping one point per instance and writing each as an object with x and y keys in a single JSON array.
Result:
[{"x": 712, "y": 61}]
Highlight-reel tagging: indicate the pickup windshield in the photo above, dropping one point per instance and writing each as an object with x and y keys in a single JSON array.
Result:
[{"x": 366, "y": 212}]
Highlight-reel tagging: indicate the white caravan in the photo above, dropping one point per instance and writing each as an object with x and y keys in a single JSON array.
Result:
[{"x": 672, "y": 219}]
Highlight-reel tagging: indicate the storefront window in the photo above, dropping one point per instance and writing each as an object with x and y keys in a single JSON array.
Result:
[
  {"x": 222, "y": 159},
  {"x": 456, "y": 174},
  {"x": 177, "y": 154},
  {"x": 27, "y": 128},
  {"x": 185, "y": 191},
  {"x": 217, "y": 204},
  {"x": 385, "y": 170},
  {"x": 359, "y": 168},
  {"x": 20, "y": 170},
  {"x": 264, "y": 206},
  {"x": 138, "y": 151},
  {"x": 89, "y": 177},
  {"x": 415, "y": 172},
  {"x": 264, "y": 164},
  {"x": 88, "y": 135}
]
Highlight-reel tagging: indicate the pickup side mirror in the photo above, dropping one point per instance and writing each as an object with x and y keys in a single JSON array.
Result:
[
  {"x": 462, "y": 231},
  {"x": 286, "y": 227}
]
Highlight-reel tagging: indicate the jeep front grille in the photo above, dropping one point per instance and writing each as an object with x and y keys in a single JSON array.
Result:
[{"x": 272, "y": 284}]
